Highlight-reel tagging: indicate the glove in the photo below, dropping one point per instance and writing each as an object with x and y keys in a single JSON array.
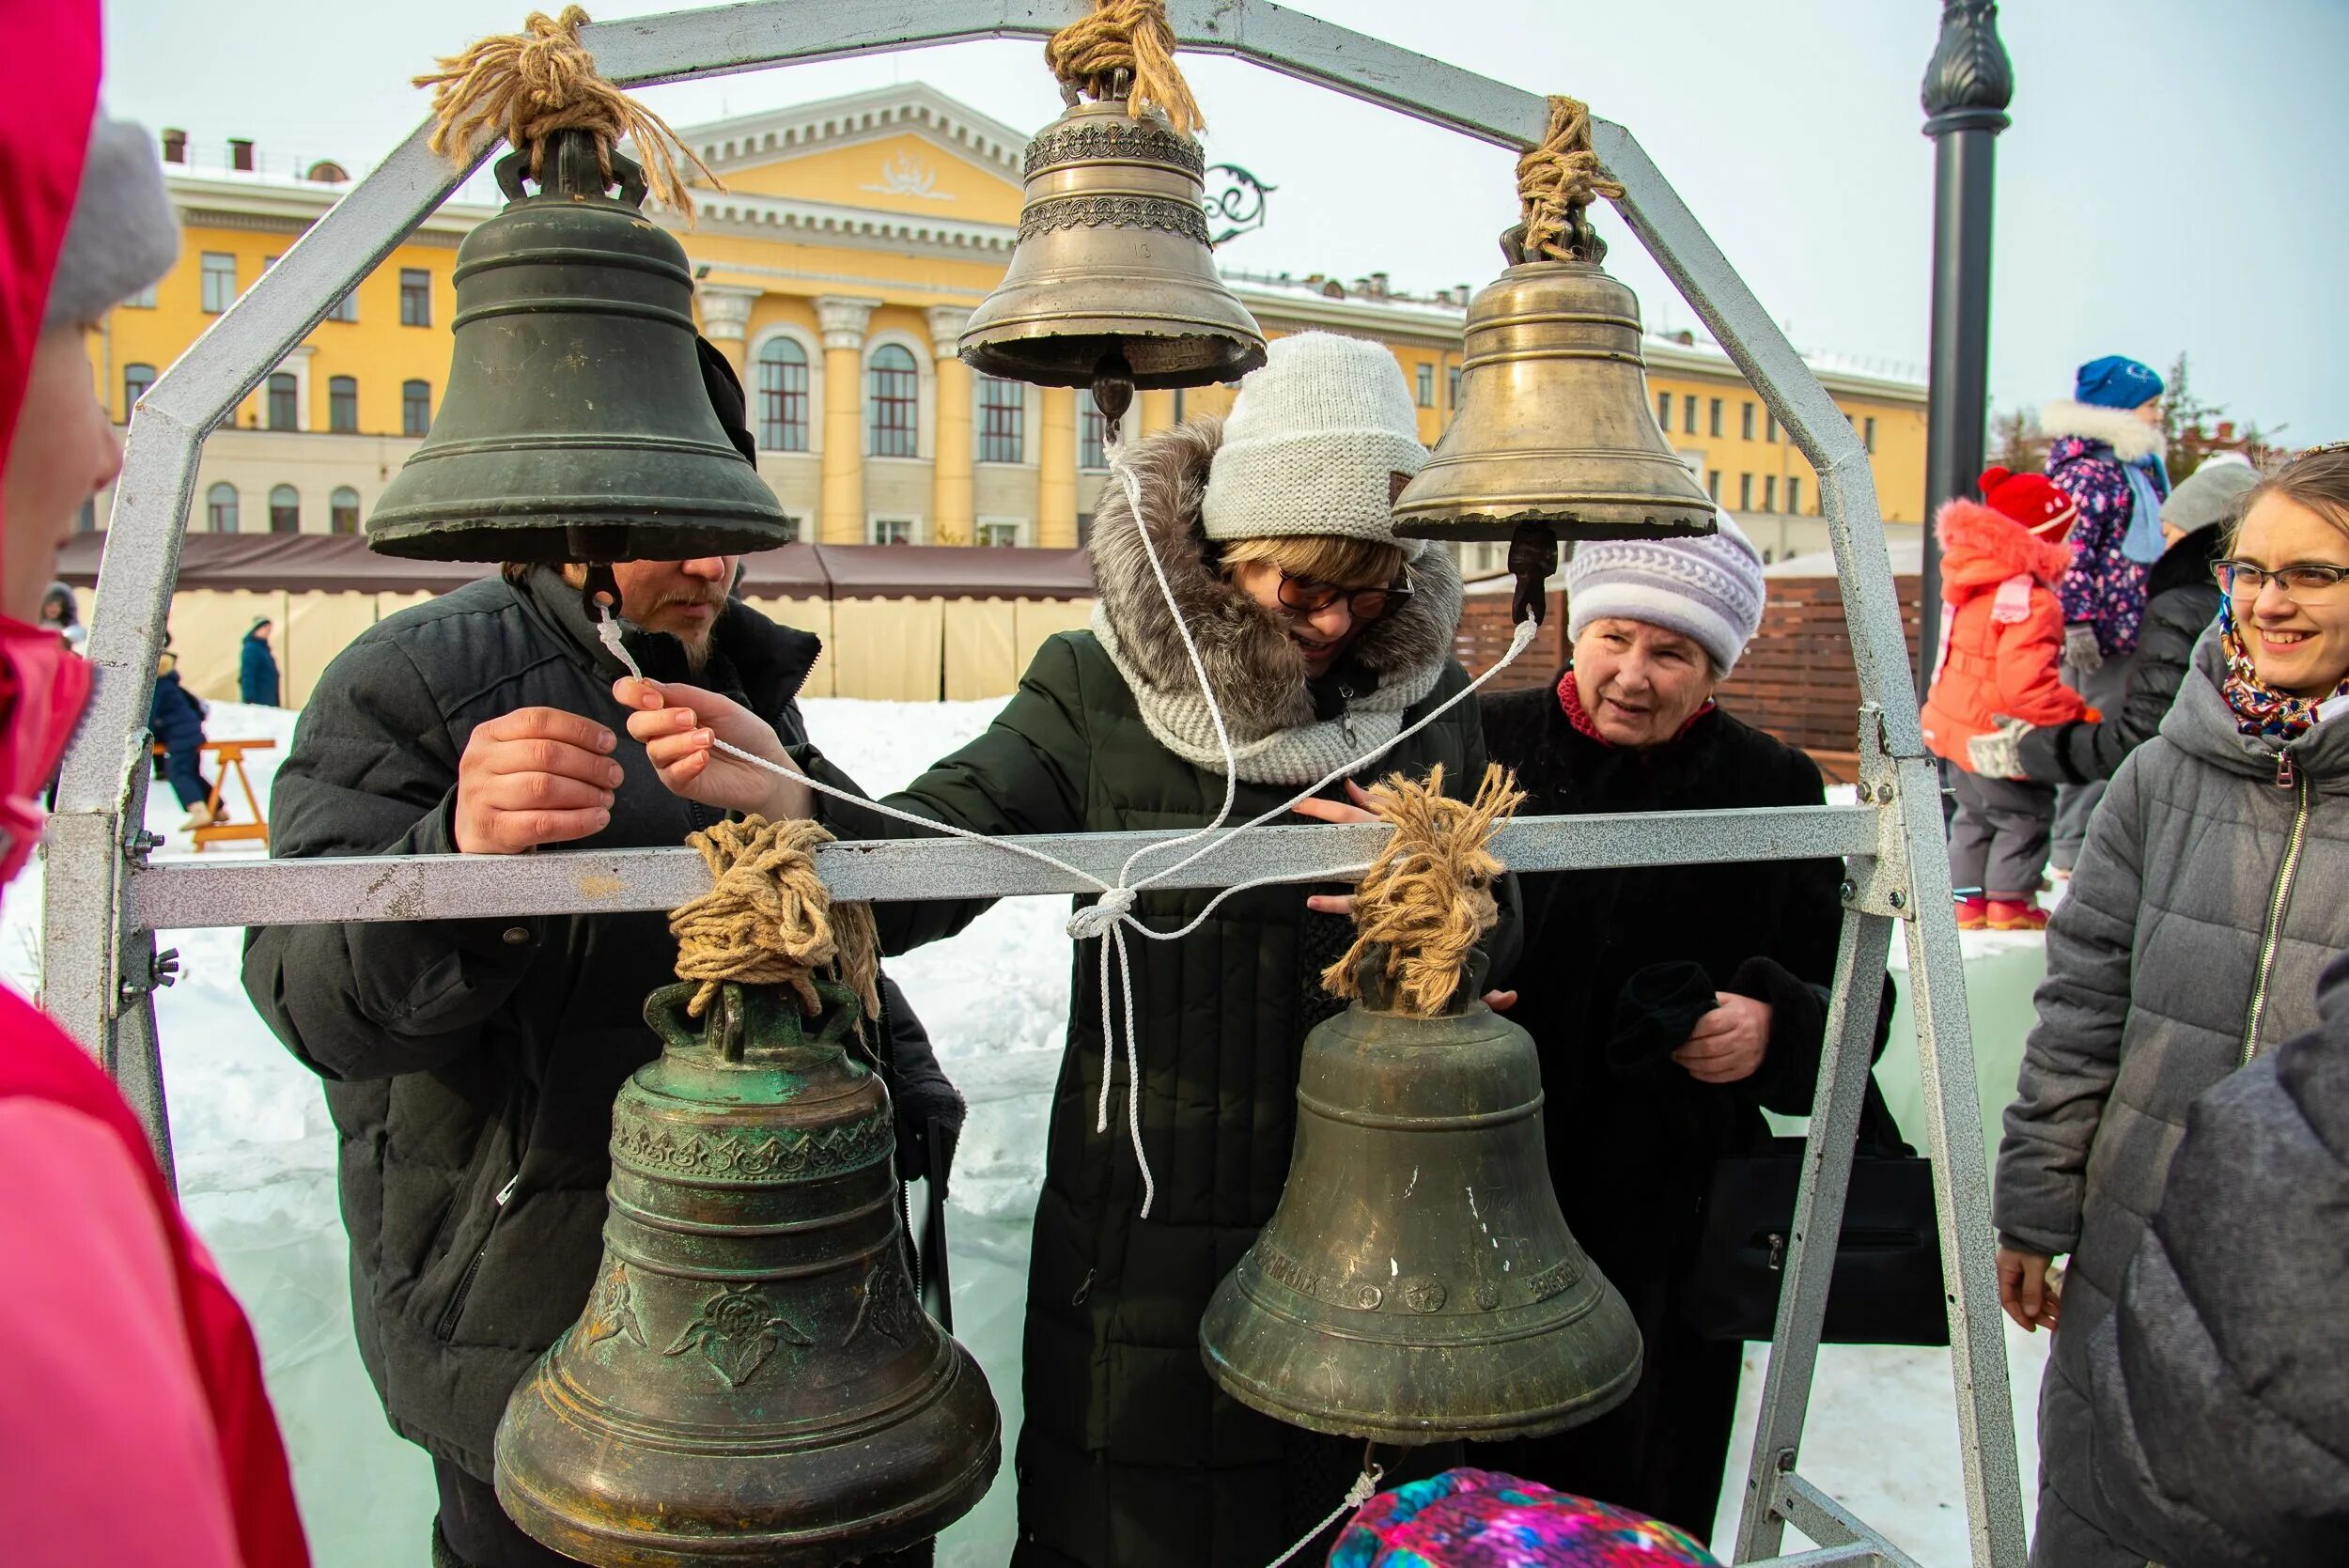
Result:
[
  {"x": 2079, "y": 648},
  {"x": 1998, "y": 753}
]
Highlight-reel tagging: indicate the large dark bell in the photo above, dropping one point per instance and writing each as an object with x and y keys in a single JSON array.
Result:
[
  {"x": 753, "y": 1379},
  {"x": 576, "y": 425},
  {"x": 1417, "y": 1282}
]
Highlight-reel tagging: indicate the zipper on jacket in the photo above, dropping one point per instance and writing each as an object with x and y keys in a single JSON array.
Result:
[
  {"x": 2277, "y": 899},
  {"x": 456, "y": 1307}
]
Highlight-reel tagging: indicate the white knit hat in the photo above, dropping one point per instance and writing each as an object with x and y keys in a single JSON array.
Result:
[
  {"x": 1310, "y": 442},
  {"x": 1707, "y": 586}
]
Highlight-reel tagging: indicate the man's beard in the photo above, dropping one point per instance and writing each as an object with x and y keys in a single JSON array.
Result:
[{"x": 700, "y": 643}]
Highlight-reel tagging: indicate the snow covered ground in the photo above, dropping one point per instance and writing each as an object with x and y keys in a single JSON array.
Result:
[{"x": 256, "y": 1158}]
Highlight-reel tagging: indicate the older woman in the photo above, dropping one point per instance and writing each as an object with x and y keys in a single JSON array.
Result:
[
  {"x": 2206, "y": 902},
  {"x": 1325, "y": 636},
  {"x": 1672, "y": 1004}
]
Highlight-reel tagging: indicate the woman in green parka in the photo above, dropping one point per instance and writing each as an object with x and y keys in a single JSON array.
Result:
[{"x": 1324, "y": 636}]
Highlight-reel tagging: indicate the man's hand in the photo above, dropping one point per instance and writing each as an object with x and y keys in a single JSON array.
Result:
[
  {"x": 538, "y": 775},
  {"x": 1728, "y": 1043},
  {"x": 678, "y": 725},
  {"x": 2079, "y": 648},
  {"x": 2028, "y": 1295}
]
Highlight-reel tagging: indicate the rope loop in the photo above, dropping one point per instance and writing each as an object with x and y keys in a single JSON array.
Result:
[
  {"x": 1098, "y": 918},
  {"x": 768, "y": 920},
  {"x": 1125, "y": 49},
  {"x": 528, "y": 85},
  {"x": 1557, "y": 181}
]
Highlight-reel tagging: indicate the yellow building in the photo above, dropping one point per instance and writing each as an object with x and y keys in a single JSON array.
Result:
[{"x": 837, "y": 268}]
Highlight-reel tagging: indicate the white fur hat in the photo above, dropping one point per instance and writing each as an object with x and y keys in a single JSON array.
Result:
[
  {"x": 1310, "y": 442},
  {"x": 1707, "y": 586}
]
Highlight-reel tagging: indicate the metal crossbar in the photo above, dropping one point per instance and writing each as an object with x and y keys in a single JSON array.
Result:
[{"x": 104, "y": 901}]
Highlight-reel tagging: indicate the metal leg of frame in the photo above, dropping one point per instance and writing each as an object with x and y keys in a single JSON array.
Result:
[
  {"x": 139, "y": 1061},
  {"x": 1827, "y": 1165}
]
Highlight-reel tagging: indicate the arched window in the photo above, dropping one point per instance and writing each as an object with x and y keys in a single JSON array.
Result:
[
  {"x": 220, "y": 509},
  {"x": 285, "y": 401},
  {"x": 136, "y": 378},
  {"x": 342, "y": 405},
  {"x": 783, "y": 396},
  {"x": 285, "y": 510},
  {"x": 343, "y": 508},
  {"x": 415, "y": 408},
  {"x": 895, "y": 417}
]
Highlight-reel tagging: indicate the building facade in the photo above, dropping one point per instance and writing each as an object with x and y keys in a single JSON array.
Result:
[{"x": 836, "y": 270}]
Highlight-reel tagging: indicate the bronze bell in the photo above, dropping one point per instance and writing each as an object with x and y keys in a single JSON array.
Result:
[
  {"x": 1555, "y": 426},
  {"x": 575, "y": 425},
  {"x": 1417, "y": 1282},
  {"x": 753, "y": 1379},
  {"x": 1112, "y": 259}
]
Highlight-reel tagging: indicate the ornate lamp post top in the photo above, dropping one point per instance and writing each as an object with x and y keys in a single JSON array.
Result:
[{"x": 1969, "y": 81}]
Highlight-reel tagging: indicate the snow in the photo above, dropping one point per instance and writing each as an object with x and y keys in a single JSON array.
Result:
[{"x": 255, "y": 1164}]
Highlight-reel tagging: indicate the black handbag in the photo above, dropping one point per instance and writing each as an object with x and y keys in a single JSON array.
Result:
[{"x": 1887, "y": 1285}]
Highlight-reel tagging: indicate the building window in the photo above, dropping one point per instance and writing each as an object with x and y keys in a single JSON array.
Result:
[
  {"x": 1689, "y": 414},
  {"x": 415, "y": 297},
  {"x": 1426, "y": 385},
  {"x": 1664, "y": 411},
  {"x": 1092, "y": 438},
  {"x": 783, "y": 395},
  {"x": 1000, "y": 535},
  {"x": 1455, "y": 387},
  {"x": 346, "y": 308},
  {"x": 1745, "y": 492},
  {"x": 893, "y": 531},
  {"x": 1793, "y": 494},
  {"x": 136, "y": 378},
  {"x": 1773, "y": 429},
  {"x": 1869, "y": 435},
  {"x": 285, "y": 510},
  {"x": 342, "y": 405},
  {"x": 220, "y": 509},
  {"x": 1713, "y": 482},
  {"x": 894, "y": 406},
  {"x": 1715, "y": 415},
  {"x": 1002, "y": 417},
  {"x": 220, "y": 282},
  {"x": 415, "y": 408},
  {"x": 1769, "y": 493},
  {"x": 285, "y": 401},
  {"x": 143, "y": 299},
  {"x": 342, "y": 509},
  {"x": 1745, "y": 421}
]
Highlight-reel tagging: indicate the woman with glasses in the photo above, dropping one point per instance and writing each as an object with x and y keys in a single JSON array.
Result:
[
  {"x": 2206, "y": 902},
  {"x": 1324, "y": 636}
]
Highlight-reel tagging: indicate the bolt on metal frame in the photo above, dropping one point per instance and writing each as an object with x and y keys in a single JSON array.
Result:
[{"x": 105, "y": 902}]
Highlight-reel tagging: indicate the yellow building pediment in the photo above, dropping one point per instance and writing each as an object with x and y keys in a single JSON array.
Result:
[{"x": 908, "y": 173}]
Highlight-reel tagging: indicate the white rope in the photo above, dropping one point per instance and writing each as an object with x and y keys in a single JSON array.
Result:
[
  {"x": 1111, "y": 916},
  {"x": 1364, "y": 1487}
]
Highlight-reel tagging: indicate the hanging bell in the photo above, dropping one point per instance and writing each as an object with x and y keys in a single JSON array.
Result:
[
  {"x": 1112, "y": 259},
  {"x": 1555, "y": 428},
  {"x": 753, "y": 1379},
  {"x": 1417, "y": 1282},
  {"x": 576, "y": 425}
]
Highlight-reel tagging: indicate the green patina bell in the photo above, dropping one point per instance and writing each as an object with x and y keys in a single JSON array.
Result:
[
  {"x": 1418, "y": 1283},
  {"x": 753, "y": 1379},
  {"x": 576, "y": 425}
]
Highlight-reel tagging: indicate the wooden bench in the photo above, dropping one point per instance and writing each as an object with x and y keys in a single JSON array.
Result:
[{"x": 231, "y": 756}]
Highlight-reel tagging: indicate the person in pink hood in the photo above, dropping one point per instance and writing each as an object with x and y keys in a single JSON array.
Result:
[
  {"x": 2001, "y": 643},
  {"x": 132, "y": 1418}
]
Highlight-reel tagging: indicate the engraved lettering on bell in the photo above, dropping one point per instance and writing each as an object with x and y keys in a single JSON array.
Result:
[
  {"x": 1554, "y": 1280},
  {"x": 1174, "y": 217},
  {"x": 884, "y": 1305},
  {"x": 611, "y": 1311},
  {"x": 1423, "y": 1293},
  {"x": 735, "y": 1333}
]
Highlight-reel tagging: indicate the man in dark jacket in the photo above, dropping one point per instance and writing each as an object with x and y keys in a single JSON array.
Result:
[
  {"x": 2220, "y": 1383},
  {"x": 256, "y": 667},
  {"x": 471, "y": 1065}
]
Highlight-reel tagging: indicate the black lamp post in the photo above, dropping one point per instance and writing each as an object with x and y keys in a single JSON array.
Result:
[{"x": 1968, "y": 87}]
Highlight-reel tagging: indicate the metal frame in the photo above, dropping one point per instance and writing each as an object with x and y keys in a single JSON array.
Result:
[{"x": 105, "y": 902}]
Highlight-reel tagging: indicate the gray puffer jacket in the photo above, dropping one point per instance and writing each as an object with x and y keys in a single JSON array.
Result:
[{"x": 2206, "y": 905}]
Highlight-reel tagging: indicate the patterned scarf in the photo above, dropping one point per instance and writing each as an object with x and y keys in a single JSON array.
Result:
[{"x": 2260, "y": 710}]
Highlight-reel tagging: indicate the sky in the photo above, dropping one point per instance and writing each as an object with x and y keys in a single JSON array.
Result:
[{"x": 2171, "y": 183}]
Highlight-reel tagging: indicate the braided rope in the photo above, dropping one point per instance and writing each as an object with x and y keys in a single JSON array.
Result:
[{"x": 1131, "y": 39}]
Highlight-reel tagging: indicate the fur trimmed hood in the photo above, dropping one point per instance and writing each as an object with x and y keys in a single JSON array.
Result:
[
  {"x": 1982, "y": 548},
  {"x": 1259, "y": 675},
  {"x": 2129, "y": 437}
]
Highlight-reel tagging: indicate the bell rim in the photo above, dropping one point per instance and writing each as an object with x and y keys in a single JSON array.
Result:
[{"x": 491, "y": 543}]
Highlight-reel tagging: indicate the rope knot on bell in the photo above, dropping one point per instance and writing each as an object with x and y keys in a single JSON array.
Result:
[
  {"x": 1556, "y": 182},
  {"x": 1125, "y": 49},
  {"x": 1100, "y": 917},
  {"x": 768, "y": 920}
]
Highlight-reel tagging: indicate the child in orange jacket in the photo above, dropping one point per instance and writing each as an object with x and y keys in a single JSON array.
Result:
[{"x": 2002, "y": 647}]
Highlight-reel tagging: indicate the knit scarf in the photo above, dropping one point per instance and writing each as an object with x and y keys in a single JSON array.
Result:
[
  {"x": 2260, "y": 710},
  {"x": 2143, "y": 542},
  {"x": 1570, "y": 699}
]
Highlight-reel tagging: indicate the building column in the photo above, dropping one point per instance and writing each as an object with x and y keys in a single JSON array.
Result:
[
  {"x": 841, "y": 519},
  {"x": 953, "y": 517},
  {"x": 1153, "y": 412},
  {"x": 726, "y": 323},
  {"x": 1057, "y": 470}
]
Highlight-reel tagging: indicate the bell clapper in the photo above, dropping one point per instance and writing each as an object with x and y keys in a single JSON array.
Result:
[
  {"x": 1112, "y": 394},
  {"x": 600, "y": 591},
  {"x": 1532, "y": 557}
]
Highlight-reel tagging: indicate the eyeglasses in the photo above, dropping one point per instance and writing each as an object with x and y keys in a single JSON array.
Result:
[
  {"x": 1308, "y": 598},
  {"x": 2307, "y": 582}
]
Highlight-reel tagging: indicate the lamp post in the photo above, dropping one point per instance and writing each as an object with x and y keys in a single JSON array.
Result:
[{"x": 1968, "y": 87}]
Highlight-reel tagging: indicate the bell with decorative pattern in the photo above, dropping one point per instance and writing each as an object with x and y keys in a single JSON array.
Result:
[{"x": 753, "y": 1379}]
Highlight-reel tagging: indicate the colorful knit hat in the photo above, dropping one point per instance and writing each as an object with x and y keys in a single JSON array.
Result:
[
  {"x": 1707, "y": 586},
  {"x": 2043, "y": 507},
  {"x": 1469, "y": 1518}
]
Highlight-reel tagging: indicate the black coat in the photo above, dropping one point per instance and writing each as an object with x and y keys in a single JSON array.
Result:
[
  {"x": 1631, "y": 1150},
  {"x": 175, "y": 715},
  {"x": 2181, "y": 600},
  {"x": 470, "y": 1065}
]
